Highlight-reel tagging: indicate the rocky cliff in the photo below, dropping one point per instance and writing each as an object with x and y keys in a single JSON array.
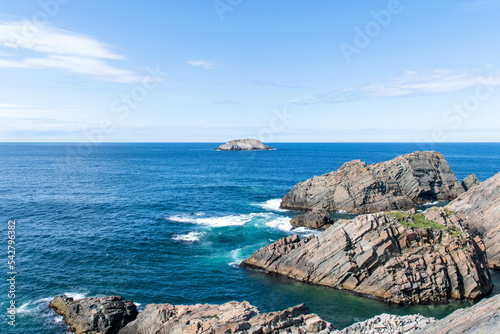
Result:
[
  {"x": 481, "y": 205},
  {"x": 103, "y": 315},
  {"x": 398, "y": 184},
  {"x": 403, "y": 258},
  {"x": 244, "y": 145}
]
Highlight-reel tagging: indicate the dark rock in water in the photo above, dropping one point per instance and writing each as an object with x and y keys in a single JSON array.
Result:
[
  {"x": 398, "y": 184},
  {"x": 316, "y": 218},
  {"x": 470, "y": 181},
  {"x": 403, "y": 258},
  {"x": 95, "y": 315},
  {"x": 481, "y": 205},
  {"x": 232, "y": 317},
  {"x": 484, "y": 317},
  {"x": 244, "y": 145}
]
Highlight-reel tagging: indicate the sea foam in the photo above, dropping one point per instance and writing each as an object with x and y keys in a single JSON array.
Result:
[
  {"x": 272, "y": 205},
  {"x": 231, "y": 220},
  {"x": 190, "y": 237}
]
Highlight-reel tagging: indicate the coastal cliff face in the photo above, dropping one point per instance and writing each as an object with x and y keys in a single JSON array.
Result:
[
  {"x": 244, "y": 145},
  {"x": 481, "y": 205},
  {"x": 403, "y": 258},
  {"x": 398, "y": 184},
  {"x": 95, "y": 315}
]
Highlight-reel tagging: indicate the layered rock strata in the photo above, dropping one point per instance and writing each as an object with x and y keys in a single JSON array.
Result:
[
  {"x": 403, "y": 258},
  {"x": 481, "y": 205},
  {"x": 398, "y": 184}
]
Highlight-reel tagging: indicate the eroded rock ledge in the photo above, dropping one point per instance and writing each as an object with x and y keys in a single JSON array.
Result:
[
  {"x": 400, "y": 257},
  {"x": 398, "y": 184},
  {"x": 244, "y": 145}
]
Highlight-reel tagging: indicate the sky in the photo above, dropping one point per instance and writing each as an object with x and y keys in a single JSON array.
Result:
[{"x": 279, "y": 71}]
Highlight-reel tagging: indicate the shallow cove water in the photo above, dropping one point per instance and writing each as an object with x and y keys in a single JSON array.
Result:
[{"x": 168, "y": 223}]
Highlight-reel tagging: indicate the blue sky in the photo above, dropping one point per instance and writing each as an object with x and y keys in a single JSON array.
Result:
[{"x": 204, "y": 70}]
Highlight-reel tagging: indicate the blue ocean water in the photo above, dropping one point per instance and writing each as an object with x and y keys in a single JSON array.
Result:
[{"x": 168, "y": 223}]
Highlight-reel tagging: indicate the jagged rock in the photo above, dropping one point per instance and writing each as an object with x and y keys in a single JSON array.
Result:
[
  {"x": 388, "y": 324},
  {"x": 232, "y": 317},
  {"x": 431, "y": 260},
  {"x": 470, "y": 181},
  {"x": 398, "y": 184},
  {"x": 484, "y": 317},
  {"x": 95, "y": 315},
  {"x": 244, "y": 145},
  {"x": 481, "y": 205},
  {"x": 316, "y": 218}
]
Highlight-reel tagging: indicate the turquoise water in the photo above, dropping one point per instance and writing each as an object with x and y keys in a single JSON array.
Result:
[{"x": 168, "y": 223}]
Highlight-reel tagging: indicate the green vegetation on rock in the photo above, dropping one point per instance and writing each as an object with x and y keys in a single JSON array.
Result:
[{"x": 415, "y": 221}]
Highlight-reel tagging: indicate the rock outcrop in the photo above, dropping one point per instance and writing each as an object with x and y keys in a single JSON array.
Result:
[
  {"x": 95, "y": 315},
  {"x": 470, "y": 181},
  {"x": 484, "y": 317},
  {"x": 403, "y": 258},
  {"x": 481, "y": 205},
  {"x": 111, "y": 315},
  {"x": 398, "y": 184},
  {"x": 317, "y": 218},
  {"x": 244, "y": 145},
  {"x": 232, "y": 317},
  {"x": 388, "y": 324}
]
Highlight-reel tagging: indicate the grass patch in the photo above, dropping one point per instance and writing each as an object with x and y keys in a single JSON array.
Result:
[
  {"x": 415, "y": 221},
  {"x": 449, "y": 212}
]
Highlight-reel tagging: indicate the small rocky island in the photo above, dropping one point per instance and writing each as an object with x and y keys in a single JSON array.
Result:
[{"x": 244, "y": 145}]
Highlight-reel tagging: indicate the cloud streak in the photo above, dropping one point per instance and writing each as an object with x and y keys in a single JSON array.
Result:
[
  {"x": 409, "y": 84},
  {"x": 201, "y": 63},
  {"x": 62, "y": 50}
]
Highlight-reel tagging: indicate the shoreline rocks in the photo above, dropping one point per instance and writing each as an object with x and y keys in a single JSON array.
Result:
[
  {"x": 398, "y": 184},
  {"x": 111, "y": 315},
  {"x": 470, "y": 181},
  {"x": 481, "y": 206},
  {"x": 399, "y": 257},
  {"x": 95, "y": 314},
  {"x": 244, "y": 145},
  {"x": 317, "y": 218}
]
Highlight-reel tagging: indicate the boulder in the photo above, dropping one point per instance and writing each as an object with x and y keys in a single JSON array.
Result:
[
  {"x": 470, "y": 181},
  {"x": 95, "y": 315},
  {"x": 481, "y": 205},
  {"x": 316, "y": 218},
  {"x": 398, "y": 184},
  {"x": 244, "y": 145},
  {"x": 400, "y": 257},
  {"x": 484, "y": 317},
  {"x": 232, "y": 317},
  {"x": 388, "y": 324}
]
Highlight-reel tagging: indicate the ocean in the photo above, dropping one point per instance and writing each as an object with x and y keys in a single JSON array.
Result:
[{"x": 169, "y": 223}]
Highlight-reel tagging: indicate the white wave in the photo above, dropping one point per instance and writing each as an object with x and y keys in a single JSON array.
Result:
[
  {"x": 431, "y": 204},
  {"x": 272, "y": 205},
  {"x": 236, "y": 258},
  {"x": 190, "y": 237},
  {"x": 232, "y": 220},
  {"x": 75, "y": 295},
  {"x": 341, "y": 211},
  {"x": 281, "y": 223}
]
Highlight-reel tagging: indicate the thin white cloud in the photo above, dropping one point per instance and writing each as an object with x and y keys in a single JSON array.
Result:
[
  {"x": 408, "y": 84},
  {"x": 202, "y": 63},
  {"x": 63, "y": 50}
]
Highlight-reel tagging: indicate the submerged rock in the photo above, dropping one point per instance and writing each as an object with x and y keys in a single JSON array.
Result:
[
  {"x": 95, "y": 315},
  {"x": 481, "y": 205},
  {"x": 244, "y": 145},
  {"x": 398, "y": 184},
  {"x": 403, "y": 258},
  {"x": 316, "y": 218},
  {"x": 470, "y": 181}
]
